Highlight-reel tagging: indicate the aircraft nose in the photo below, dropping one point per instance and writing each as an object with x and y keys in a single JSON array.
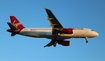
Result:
[{"x": 96, "y": 34}]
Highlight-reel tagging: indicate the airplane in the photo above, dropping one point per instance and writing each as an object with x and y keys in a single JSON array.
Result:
[{"x": 58, "y": 34}]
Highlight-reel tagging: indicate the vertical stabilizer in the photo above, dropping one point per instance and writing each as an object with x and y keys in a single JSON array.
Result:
[{"x": 16, "y": 23}]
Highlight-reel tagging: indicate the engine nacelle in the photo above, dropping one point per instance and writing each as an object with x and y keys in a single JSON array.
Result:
[
  {"x": 64, "y": 43},
  {"x": 68, "y": 30}
]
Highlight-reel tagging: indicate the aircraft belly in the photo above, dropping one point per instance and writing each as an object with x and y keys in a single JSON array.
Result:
[{"x": 36, "y": 34}]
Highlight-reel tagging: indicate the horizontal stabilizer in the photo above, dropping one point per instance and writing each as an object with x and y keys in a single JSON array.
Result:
[
  {"x": 12, "y": 29},
  {"x": 13, "y": 34},
  {"x": 11, "y": 26}
]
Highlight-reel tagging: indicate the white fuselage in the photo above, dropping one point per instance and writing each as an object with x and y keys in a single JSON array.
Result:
[{"x": 47, "y": 33}]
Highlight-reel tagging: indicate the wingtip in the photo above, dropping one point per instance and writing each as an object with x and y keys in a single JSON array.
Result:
[{"x": 46, "y": 9}]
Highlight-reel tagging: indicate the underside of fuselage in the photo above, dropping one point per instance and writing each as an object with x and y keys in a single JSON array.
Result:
[{"x": 50, "y": 36}]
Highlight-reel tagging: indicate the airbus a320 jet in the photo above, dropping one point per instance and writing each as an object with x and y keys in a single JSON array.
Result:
[{"x": 58, "y": 34}]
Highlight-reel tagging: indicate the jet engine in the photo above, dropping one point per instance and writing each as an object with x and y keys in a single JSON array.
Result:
[
  {"x": 68, "y": 30},
  {"x": 64, "y": 43}
]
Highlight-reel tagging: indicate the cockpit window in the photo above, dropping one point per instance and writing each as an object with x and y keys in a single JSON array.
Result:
[{"x": 92, "y": 30}]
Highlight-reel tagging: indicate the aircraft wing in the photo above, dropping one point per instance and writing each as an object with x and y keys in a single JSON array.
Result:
[
  {"x": 56, "y": 27},
  {"x": 52, "y": 42},
  {"x": 53, "y": 20}
]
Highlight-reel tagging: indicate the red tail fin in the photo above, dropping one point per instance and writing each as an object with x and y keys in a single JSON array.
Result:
[{"x": 16, "y": 23}]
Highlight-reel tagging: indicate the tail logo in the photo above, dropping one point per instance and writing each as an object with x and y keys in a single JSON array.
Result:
[{"x": 16, "y": 24}]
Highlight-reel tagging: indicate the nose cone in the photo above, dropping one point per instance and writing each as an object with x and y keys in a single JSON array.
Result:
[{"x": 96, "y": 34}]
